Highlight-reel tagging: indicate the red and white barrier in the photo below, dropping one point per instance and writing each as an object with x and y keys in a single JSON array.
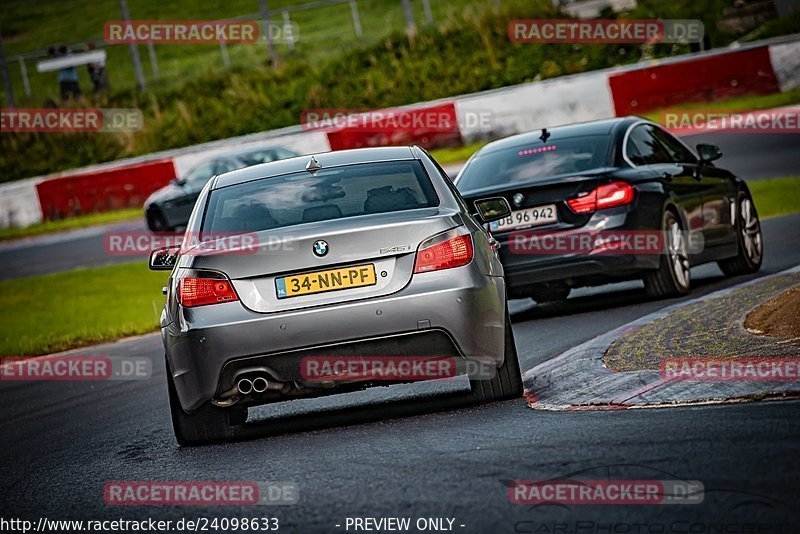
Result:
[
  {"x": 697, "y": 79},
  {"x": 19, "y": 204},
  {"x": 756, "y": 68},
  {"x": 121, "y": 187},
  {"x": 526, "y": 107},
  {"x": 785, "y": 60}
]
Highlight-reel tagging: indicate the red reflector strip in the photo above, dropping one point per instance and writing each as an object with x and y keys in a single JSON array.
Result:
[
  {"x": 202, "y": 291},
  {"x": 454, "y": 252}
]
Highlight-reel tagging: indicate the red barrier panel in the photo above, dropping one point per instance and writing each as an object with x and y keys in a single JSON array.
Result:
[
  {"x": 121, "y": 187},
  {"x": 703, "y": 79},
  {"x": 429, "y": 126}
]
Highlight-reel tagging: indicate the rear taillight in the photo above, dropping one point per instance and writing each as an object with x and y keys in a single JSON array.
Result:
[
  {"x": 602, "y": 197},
  {"x": 444, "y": 252},
  {"x": 203, "y": 290}
]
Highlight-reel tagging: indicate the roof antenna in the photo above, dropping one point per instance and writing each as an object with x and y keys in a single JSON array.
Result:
[
  {"x": 313, "y": 165},
  {"x": 545, "y": 135}
]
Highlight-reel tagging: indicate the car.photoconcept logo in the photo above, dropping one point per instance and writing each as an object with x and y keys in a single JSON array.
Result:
[{"x": 320, "y": 248}]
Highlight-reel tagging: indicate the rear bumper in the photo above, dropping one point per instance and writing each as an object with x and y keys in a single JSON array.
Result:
[
  {"x": 464, "y": 303},
  {"x": 577, "y": 271},
  {"x": 524, "y": 270}
]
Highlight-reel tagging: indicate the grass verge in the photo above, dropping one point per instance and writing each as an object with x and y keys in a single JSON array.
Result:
[
  {"x": 456, "y": 154},
  {"x": 80, "y": 221},
  {"x": 742, "y": 103},
  {"x": 776, "y": 196},
  {"x": 55, "y": 312}
]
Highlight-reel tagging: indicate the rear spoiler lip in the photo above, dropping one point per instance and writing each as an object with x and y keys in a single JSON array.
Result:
[{"x": 559, "y": 178}]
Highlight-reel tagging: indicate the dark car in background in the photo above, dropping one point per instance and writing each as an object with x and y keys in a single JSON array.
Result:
[
  {"x": 625, "y": 175},
  {"x": 169, "y": 208}
]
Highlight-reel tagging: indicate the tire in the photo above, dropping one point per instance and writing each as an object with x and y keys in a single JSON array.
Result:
[
  {"x": 156, "y": 221},
  {"x": 506, "y": 382},
  {"x": 751, "y": 244},
  {"x": 550, "y": 293},
  {"x": 673, "y": 276},
  {"x": 208, "y": 424}
]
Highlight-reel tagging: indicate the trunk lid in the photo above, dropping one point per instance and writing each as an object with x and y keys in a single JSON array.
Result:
[
  {"x": 385, "y": 242},
  {"x": 555, "y": 190}
]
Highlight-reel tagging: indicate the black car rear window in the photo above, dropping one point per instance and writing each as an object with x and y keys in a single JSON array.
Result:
[
  {"x": 534, "y": 161},
  {"x": 328, "y": 194}
]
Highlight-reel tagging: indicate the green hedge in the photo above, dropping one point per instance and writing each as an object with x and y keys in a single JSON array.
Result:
[{"x": 464, "y": 55}]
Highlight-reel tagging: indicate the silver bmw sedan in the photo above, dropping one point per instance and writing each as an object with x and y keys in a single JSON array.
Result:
[{"x": 328, "y": 273}]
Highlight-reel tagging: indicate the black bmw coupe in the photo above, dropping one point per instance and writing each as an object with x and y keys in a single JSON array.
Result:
[{"x": 608, "y": 201}]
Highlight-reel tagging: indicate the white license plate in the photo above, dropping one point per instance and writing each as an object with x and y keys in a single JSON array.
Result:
[{"x": 527, "y": 217}]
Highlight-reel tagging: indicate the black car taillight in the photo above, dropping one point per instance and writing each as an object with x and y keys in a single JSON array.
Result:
[{"x": 603, "y": 197}]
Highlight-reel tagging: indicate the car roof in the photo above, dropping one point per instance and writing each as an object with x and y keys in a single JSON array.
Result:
[
  {"x": 237, "y": 153},
  {"x": 253, "y": 150},
  {"x": 581, "y": 129},
  {"x": 325, "y": 159}
]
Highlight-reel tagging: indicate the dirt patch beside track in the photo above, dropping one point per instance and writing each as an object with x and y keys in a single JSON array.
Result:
[{"x": 779, "y": 317}]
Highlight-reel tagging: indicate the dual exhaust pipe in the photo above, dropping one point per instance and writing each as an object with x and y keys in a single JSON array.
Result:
[{"x": 258, "y": 384}]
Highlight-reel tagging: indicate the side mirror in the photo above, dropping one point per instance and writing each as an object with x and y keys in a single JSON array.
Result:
[
  {"x": 163, "y": 259},
  {"x": 492, "y": 209},
  {"x": 708, "y": 152}
]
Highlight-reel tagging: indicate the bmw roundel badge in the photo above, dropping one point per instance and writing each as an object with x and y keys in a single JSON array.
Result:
[{"x": 320, "y": 248}]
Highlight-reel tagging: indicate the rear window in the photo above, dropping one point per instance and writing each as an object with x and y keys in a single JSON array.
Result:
[
  {"x": 530, "y": 162},
  {"x": 330, "y": 194}
]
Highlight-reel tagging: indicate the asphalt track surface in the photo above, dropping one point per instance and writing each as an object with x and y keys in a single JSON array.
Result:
[
  {"x": 417, "y": 451},
  {"x": 751, "y": 156}
]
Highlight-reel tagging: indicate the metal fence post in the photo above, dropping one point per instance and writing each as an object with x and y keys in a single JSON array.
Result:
[
  {"x": 410, "y": 26},
  {"x": 151, "y": 50},
  {"x": 223, "y": 48},
  {"x": 426, "y": 4},
  {"x": 356, "y": 18},
  {"x": 26, "y": 84},
  {"x": 6, "y": 75},
  {"x": 264, "y": 8},
  {"x": 137, "y": 62},
  {"x": 287, "y": 30}
]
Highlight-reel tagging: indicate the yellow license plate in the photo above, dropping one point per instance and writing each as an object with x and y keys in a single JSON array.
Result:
[{"x": 322, "y": 281}]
